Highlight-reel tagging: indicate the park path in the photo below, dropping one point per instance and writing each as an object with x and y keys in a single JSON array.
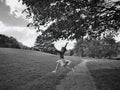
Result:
[{"x": 79, "y": 80}]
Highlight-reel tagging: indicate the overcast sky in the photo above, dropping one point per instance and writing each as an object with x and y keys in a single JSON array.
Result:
[{"x": 13, "y": 23}]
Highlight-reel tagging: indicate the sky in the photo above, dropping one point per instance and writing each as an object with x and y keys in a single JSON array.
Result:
[{"x": 13, "y": 23}]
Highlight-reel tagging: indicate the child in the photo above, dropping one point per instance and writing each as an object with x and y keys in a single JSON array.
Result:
[{"x": 62, "y": 62}]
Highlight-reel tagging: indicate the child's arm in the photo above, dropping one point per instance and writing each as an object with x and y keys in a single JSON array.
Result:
[
  {"x": 65, "y": 48},
  {"x": 66, "y": 44}
]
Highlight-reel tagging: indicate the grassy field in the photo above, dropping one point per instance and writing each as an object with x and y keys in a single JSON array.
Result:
[
  {"x": 106, "y": 74},
  {"x": 30, "y": 70}
]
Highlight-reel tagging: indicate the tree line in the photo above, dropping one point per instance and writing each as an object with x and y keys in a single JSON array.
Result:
[
  {"x": 105, "y": 47},
  {"x": 10, "y": 42}
]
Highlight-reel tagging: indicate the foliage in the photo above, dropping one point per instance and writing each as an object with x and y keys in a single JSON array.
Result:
[
  {"x": 101, "y": 48},
  {"x": 118, "y": 47},
  {"x": 44, "y": 43},
  {"x": 71, "y": 52},
  {"x": 10, "y": 42},
  {"x": 74, "y": 18}
]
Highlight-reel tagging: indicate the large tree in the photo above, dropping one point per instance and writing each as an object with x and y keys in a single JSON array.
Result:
[{"x": 73, "y": 19}]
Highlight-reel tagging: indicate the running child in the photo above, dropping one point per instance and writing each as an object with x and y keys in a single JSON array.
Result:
[{"x": 62, "y": 62}]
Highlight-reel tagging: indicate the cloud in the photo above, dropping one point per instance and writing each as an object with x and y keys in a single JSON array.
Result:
[
  {"x": 16, "y": 8},
  {"x": 23, "y": 34},
  {"x": 10, "y": 19}
]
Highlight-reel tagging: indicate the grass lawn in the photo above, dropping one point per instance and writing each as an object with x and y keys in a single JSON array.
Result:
[
  {"x": 30, "y": 70},
  {"x": 105, "y": 74}
]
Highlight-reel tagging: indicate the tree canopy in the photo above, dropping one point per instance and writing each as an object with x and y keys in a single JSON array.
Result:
[{"x": 73, "y": 19}]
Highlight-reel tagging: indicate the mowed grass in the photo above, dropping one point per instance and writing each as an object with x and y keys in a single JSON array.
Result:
[
  {"x": 30, "y": 70},
  {"x": 106, "y": 74}
]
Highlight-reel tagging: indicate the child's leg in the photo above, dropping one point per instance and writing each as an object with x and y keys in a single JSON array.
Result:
[
  {"x": 57, "y": 66},
  {"x": 67, "y": 67}
]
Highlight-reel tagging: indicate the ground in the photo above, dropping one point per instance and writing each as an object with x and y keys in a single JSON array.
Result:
[
  {"x": 80, "y": 79},
  {"x": 31, "y": 70},
  {"x": 96, "y": 74},
  {"x": 106, "y": 74}
]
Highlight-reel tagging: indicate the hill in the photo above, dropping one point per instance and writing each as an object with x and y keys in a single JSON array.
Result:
[{"x": 30, "y": 70}]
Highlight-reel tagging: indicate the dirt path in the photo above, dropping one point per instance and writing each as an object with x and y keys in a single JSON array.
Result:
[{"x": 79, "y": 80}]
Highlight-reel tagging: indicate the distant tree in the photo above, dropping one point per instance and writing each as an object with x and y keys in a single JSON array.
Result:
[
  {"x": 6, "y": 41},
  {"x": 105, "y": 47},
  {"x": 71, "y": 52},
  {"x": 10, "y": 42},
  {"x": 80, "y": 47},
  {"x": 22, "y": 46},
  {"x": 45, "y": 44},
  {"x": 118, "y": 43},
  {"x": 73, "y": 19},
  {"x": 110, "y": 46},
  {"x": 13, "y": 42}
]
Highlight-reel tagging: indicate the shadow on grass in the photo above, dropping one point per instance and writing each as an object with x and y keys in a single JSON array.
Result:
[{"x": 107, "y": 79}]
